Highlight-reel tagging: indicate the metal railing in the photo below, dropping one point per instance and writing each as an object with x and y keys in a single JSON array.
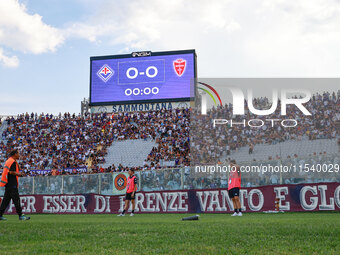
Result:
[{"x": 178, "y": 179}]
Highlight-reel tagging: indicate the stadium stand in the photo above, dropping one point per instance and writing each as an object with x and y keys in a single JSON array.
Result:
[
  {"x": 208, "y": 144},
  {"x": 160, "y": 139},
  {"x": 70, "y": 141},
  {"x": 57, "y": 142}
]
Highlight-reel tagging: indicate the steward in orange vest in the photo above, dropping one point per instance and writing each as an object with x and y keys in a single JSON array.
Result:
[{"x": 10, "y": 180}]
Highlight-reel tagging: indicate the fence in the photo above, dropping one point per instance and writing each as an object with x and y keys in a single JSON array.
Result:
[{"x": 180, "y": 179}]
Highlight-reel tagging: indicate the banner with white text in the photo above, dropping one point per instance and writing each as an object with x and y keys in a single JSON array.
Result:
[{"x": 299, "y": 197}]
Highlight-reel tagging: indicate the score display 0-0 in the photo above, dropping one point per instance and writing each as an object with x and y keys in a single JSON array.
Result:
[{"x": 160, "y": 77}]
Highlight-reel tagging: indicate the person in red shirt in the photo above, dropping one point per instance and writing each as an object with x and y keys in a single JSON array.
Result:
[
  {"x": 130, "y": 193},
  {"x": 234, "y": 185}
]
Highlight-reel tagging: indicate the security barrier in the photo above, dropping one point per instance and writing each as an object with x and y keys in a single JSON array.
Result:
[{"x": 319, "y": 169}]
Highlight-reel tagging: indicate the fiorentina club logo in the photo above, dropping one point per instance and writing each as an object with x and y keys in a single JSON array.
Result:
[
  {"x": 179, "y": 66},
  {"x": 120, "y": 182},
  {"x": 105, "y": 73}
]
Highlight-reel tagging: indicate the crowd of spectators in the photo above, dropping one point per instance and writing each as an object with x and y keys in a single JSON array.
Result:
[
  {"x": 169, "y": 128},
  {"x": 71, "y": 141},
  {"x": 56, "y": 142},
  {"x": 208, "y": 143}
]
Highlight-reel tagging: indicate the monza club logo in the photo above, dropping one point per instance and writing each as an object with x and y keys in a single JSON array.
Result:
[
  {"x": 120, "y": 182},
  {"x": 179, "y": 66},
  {"x": 105, "y": 73}
]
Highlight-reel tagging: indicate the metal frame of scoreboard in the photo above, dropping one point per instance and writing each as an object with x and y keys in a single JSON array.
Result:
[{"x": 136, "y": 55}]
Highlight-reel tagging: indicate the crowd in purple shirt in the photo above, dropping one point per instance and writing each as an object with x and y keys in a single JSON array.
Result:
[
  {"x": 208, "y": 143},
  {"x": 70, "y": 141}
]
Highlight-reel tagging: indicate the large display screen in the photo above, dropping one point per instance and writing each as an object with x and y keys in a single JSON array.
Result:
[{"x": 163, "y": 76}]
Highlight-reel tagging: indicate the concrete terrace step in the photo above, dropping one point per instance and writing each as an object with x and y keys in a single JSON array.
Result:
[{"x": 129, "y": 152}]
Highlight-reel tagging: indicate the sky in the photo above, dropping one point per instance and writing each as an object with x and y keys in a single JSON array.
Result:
[{"x": 45, "y": 45}]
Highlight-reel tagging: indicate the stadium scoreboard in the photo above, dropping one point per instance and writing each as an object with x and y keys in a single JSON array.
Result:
[{"x": 144, "y": 77}]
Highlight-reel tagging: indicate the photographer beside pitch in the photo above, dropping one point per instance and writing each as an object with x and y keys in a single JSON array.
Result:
[
  {"x": 234, "y": 185},
  {"x": 130, "y": 193},
  {"x": 10, "y": 181}
]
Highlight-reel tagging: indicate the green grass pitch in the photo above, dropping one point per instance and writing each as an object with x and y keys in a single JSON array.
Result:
[{"x": 254, "y": 233}]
